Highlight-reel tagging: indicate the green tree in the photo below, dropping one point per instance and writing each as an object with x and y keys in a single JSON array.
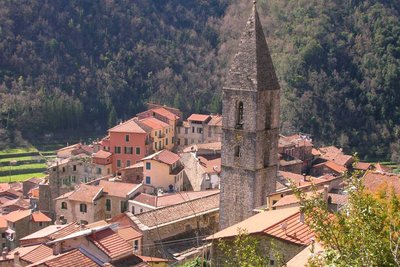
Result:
[{"x": 365, "y": 232}]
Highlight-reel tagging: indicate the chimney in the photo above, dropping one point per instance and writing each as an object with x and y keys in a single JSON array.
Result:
[
  {"x": 4, "y": 253},
  {"x": 16, "y": 259},
  {"x": 326, "y": 190},
  {"x": 305, "y": 177},
  {"x": 56, "y": 248}
]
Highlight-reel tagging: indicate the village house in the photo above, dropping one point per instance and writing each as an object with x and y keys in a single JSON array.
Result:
[
  {"x": 188, "y": 220},
  {"x": 295, "y": 153},
  {"x": 302, "y": 182},
  {"x": 29, "y": 184},
  {"x": 163, "y": 171},
  {"x": 145, "y": 202},
  {"x": 375, "y": 181},
  {"x": 129, "y": 142},
  {"x": 286, "y": 228},
  {"x": 73, "y": 150},
  {"x": 166, "y": 114},
  {"x": 201, "y": 172},
  {"x": 200, "y": 128},
  {"x": 15, "y": 204},
  {"x": 64, "y": 175},
  {"x": 132, "y": 174},
  {"x": 91, "y": 203},
  {"x": 73, "y": 245},
  {"x": 102, "y": 161},
  {"x": 162, "y": 134},
  {"x": 21, "y": 223}
]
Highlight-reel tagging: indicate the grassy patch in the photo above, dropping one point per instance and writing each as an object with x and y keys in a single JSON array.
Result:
[
  {"x": 18, "y": 150},
  {"x": 24, "y": 167},
  {"x": 20, "y": 177},
  {"x": 16, "y": 159}
]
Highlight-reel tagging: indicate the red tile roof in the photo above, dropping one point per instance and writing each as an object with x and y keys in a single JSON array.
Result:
[
  {"x": 382, "y": 168},
  {"x": 129, "y": 126},
  {"x": 152, "y": 259},
  {"x": 37, "y": 254},
  {"x": 72, "y": 258},
  {"x": 375, "y": 181},
  {"x": 179, "y": 211},
  {"x": 332, "y": 153},
  {"x": 17, "y": 215},
  {"x": 20, "y": 202},
  {"x": 117, "y": 189},
  {"x": 111, "y": 243},
  {"x": 3, "y": 222},
  {"x": 216, "y": 120},
  {"x": 85, "y": 193},
  {"x": 165, "y": 113},
  {"x": 198, "y": 117},
  {"x": 334, "y": 166},
  {"x": 292, "y": 229},
  {"x": 172, "y": 199},
  {"x": 38, "y": 216},
  {"x": 215, "y": 146},
  {"x": 129, "y": 233},
  {"x": 363, "y": 166},
  {"x": 210, "y": 165},
  {"x": 101, "y": 154},
  {"x": 65, "y": 231},
  {"x": 154, "y": 123},
  {"x": 164, "y": 156}
]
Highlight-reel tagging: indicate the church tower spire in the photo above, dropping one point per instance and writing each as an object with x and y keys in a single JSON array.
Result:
[{"x": 250, "y": 100}]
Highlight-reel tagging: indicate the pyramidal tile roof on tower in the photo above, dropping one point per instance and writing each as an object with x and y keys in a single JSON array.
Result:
[{"x": 252, "y": 67}]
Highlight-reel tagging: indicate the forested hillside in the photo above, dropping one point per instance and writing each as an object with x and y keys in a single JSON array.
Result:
[{"x": 68, "y": 65}]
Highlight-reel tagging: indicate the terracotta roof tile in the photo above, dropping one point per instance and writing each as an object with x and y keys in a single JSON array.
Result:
[
  {"x": 129, "y": 233},
  {"x": 101, "y": 154},
  {"x": 292, "y": 229},
  {"x": 111, "y": 243},
  {"x": 72, "y": 258},
  {"x": 165, "y": 113},
  {"x": 130, "y": 126},
  {"x": 198, "y": 117},
  {"x": 20, "y": 202},
  {"x": 3, "y": 222},
  {"x": 211, "y": 165},
  {"x": 172, "y": 199},
  {"x": 37, "y": 254},
  {"x": 35, "y": 180},
  {"x": 257, "y": 223},
  {"x": 117, "y": 189},
  {"x": 65, "y": 231},
  {"x": 186, "y": 209},
  {"x": 216, "y": 120},
  {"x": 154, "y": 123},
  {"x": 375, "y": 181},
  {"x": 85, "y": 193},
  {"x": 382, "y": 168},
  {"x": 334, "y": 166},
  {"x": 362, "y": 166},
  {"x": 38, "y": 216},
  {"x": 17, "y": 215},
  {"x": 164, "y": 156},
  {"x": 152, "y": 259}
]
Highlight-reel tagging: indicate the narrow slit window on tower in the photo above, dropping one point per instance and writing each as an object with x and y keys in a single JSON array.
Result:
[
  {"x": 239, "y": 122},
  {"x": 237, "y": 151}
]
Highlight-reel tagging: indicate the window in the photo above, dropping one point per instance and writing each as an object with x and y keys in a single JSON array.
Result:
[
  {"x": 124, "y": 206},
  {"x": 237, "y": 151},
  {"x": 148, "y": 181},
  {"x": 148, "y": 165},
  {"x": 209, "y": 132},
  {"x": 128, "y": 163},
  {"x": 159, "y": 144},
  {"x": 136, "y": 245},
  {"x": 108, "y": 170},
  {"x": 74, "y": 168},
  {"x": 117, "y": 150},
  {"x": 159, "y": 133},
  {"x": 108, "y": 204},
  {"x": 138, "y": 151},
  {"x": 63, "y": 169},
  {"x": 193, "y": 129},
  {"x": 271, "y": 262},
  {"x": 155, "y": 145},
  {"x": 98, "y": 171},
  {"x": 166, "y": 141},
  {"x": 64, "y": 205},
  {"x": 128, "y": 150},
  {"x": 173, "y": 140},
  {"x": 118, "y": 163},
  {"x": 186, "y": 130},
  {"x": 83, "y": 207},
  {"x": 73, "y": 178},
  {"x": 199, "y": 130},
  {"x": 133, "y": 210},
  {"x": 40, "y": 223},
  {"x": 127, "y": 138},
  {"x": 141, "y": 210},
  {"x": 3, "y": 235},
  {"x": 239, "y": 116}
]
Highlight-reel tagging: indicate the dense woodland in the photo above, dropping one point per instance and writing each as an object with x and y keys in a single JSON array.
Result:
[{"x": 69, "y": 66}]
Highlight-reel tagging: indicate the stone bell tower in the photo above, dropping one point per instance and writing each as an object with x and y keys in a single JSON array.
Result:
[{"x": 250, "y": 100}]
